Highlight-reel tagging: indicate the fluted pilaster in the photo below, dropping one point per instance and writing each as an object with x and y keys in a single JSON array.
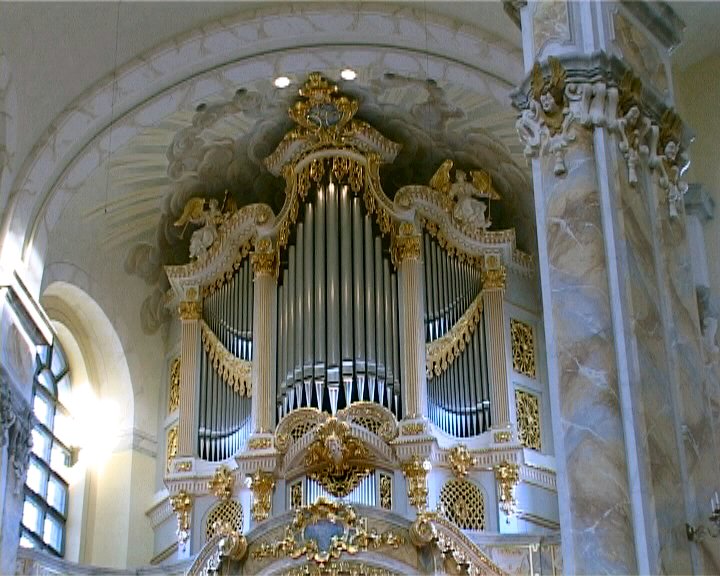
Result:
[
  {"x": 265, "y": 267},
  {"x": 406, "y": 253},
  {"x": 190, "y": 312},
  {"x": 493, "y": 298}
]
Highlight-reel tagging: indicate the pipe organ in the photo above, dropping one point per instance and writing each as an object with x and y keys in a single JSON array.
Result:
[
  {"x": 458, "y": 397},
  {"x": 337, "y": 301}
]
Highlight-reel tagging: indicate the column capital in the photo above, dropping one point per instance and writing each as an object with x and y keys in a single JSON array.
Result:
[
  {"x": 190, "y": 310},
  {"x": 406, "y": 245},
  {"x": 265, "y": 264},
  {"x": 494, "y": 279}
]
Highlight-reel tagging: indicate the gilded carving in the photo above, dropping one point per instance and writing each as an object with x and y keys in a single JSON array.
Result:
[
  {"x": 494, "y": 279},
  {"x": 502, "y": 436},
  {"x": 523, "y": 348},
  {"x": 461, "y": 460},
  {"x": 386, "y": 491},
  {"x": 507, "y": 475},
  {"x": 209, "y": 219},
  {"x": 527, "y": 408},
  {"x": 405, "y": 248},
  {"x": 260, "y": 443},
  {"x": 339, "y": 569},
  {"x": 235, "y": 372},
  {"x": 262, "y": 484},
  {"x": 225, "y": 275},
  {"x": 442, "y": 352},
  {"x": 190, "y": 310},
  {"x": 222, "y": 483},
  {"x": 413, "y": 429},
  {"x": 416, "y": 470},
  {"x": 350, "y": 535},
  {"x": 296, "y": 495},
  {"x": 265, "y": 263},
  {"x": 172, "y": 446},
  {"x": 182, "y": 505},
  {"x": 225, "y": 517},
  {"x": 463, "y": 504},
  {"x": 174, "y": 386},
  {"x": 336, "y": 459},
  {"x": 184, "y": 466},
  {"x": 371, "y": 416}
]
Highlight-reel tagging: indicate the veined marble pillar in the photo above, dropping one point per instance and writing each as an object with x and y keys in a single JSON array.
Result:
[
  {"x": 624, "y": 360},
  {"x": 265, "y": 266},
  {"x": 406, "y": 251},
  {"x": 493, "y": 303},
  {"x": 190, "y": 312}
]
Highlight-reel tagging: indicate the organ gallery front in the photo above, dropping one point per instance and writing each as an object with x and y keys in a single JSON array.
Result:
[{"x": 361, "y": 381}]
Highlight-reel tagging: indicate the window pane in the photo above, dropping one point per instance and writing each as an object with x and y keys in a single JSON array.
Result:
[
  {"x": 53, "y": 532},
  {"x": 41, "y": 444},
  {"x": 64, "y": 388},
  {"x": 62, "y": 427},
  {"x": 26, "y": 542},
  {"x": 36, "y": 478},
  {"x": 58, "y": 361},
  {"x": 60, "y": 458},
  {"x": 44, "y": 352},
  {"x": 43, "y": 410},
  {"x": 56, "y": 494},
  {"x": 32, "y": 516},
  {"x": 47, "y": 381}
]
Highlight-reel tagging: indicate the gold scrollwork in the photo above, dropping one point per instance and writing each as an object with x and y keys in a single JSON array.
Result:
[
  {"x": 172, "y": 446},
  {"x": 174, "y": 386},
  {"x": 386, "y": 491},
  {"x": 461, "y": 460},
  {"x": 181, "y": 505},
  {"x": 373, "y": 417},
  {"x": 442, "y": 352},
  {"x": 494, "y": 279},
  {"x": 260, "y": 443},
  {"x": 413, "y": 429},
  {"x": 339, "y": 569},
  {"x": 523, "y": 347},
  {"x": 222, "y": 483},
  {"x": 336, "y": 459},
  {"x": 296, "y": 495},
  {"x": 235, "y": 372},
  {"x": 416, "y": 470},
  {"x": 405, "y": 248},
  {"x": 190, "y": 310},
  {"x": 527, "y": 408},
  {"x": 262, "y": 484},
  {"x": 183, "y": 466},
  {"x": 265, "y": 263},
  {"x": 226, "y": 275},
  {"x": 351, "y": 535}
]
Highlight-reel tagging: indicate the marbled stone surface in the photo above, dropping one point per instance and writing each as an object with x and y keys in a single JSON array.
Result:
[{"x": 596, "y": 517}]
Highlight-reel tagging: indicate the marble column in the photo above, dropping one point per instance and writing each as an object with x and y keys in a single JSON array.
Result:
[
  {"x": 607, "y": 155},
  {"x": 265, "y": 266},
  {"x": 406, "y": 253},
  {"x": 493, "y": 303},
  {"x": 190, "y": 312}
]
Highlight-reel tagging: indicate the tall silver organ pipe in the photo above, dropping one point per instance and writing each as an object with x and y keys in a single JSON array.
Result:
[
  {"x": 339, "y": 315},
  {"x": 458, "y": 398},
  {"x": 224, "y": 415}
]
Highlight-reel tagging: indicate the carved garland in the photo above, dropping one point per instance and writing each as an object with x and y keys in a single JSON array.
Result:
[
  {"x": 441, "y": 353},
  {"x": 235, "y": 372}
]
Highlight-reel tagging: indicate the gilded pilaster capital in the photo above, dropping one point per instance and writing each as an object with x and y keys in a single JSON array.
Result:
[
  {"x": 494, "y": 279},
  {"x": 265, "y": 264},
  {"x": 405, "y": 248},
  {"x": 190, "y": 310}
]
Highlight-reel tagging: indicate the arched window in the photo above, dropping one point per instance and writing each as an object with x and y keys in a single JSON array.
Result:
[{"x": 46, "y": 489}]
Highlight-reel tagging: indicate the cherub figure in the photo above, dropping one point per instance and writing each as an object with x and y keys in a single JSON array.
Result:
[
  {"x": 545, "y": 125},
  {"x": 672, "y": 161},
  {"x": 632, "y": 126},
  {"x": 195, "y": 213}
]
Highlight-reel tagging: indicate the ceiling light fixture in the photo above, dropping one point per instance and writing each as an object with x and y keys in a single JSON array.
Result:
[
  {"x": 348, "y": 74},
  {"x": 282, "y": 82}
]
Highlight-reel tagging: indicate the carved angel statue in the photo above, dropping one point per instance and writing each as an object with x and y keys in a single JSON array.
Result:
[
  {"x": 546, "y": 122},
  {"x": 468, "y": 195},
  {"x": 195, "y": 213},
  {"x": 672, "y": 162},
  {"x": 632, "y": 126}
]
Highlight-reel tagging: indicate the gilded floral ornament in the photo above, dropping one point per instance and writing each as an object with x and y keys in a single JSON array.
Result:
[
  {"x": 416, "y": 470},
  {"x": 265, "y": 263},
  {"x": 507, "y": 475},
  {"x": 174, "y": 386},
  {"x": 336, "y": 459},
  {"x": 461, "y": 460},
  {"x": 182, "y": 505},
  {"x": 324, "y": 531},
  {"x": 527, "y": 408},
  {"x": 523, "y": 347},
  {"x": 190, "y": 310},
  {"x": 547, "y": 122},
  {"x": 222, "y": 483},
  {"x": 234, "y": 371},
  {"x": 262, "y": 484},
  {"x": 494, "y": 278}
]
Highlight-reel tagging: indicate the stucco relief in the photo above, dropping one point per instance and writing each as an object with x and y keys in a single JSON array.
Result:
[
  {"x": 639, "y": 51},
  {"x": 551, "y": 23}
]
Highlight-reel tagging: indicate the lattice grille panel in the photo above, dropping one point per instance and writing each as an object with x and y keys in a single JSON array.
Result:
[
  {"x": 464, "y": 504},
  {"x": 523, "y": 347},
  {"x": 229, "y": 511},
  {"x": 527, "y": 407}
]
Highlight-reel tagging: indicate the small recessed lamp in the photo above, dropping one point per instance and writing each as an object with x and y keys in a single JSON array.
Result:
[
  {"x": 282, "y": 82},
  {"x": 348, "y": 74}
]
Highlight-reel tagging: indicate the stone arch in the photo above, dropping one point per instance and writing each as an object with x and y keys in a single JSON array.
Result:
[{"x": 78, "y": 141}]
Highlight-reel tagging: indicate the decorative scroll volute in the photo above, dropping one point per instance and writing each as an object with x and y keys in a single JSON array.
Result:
[
  {"x": 182, "y": 505},
  {"x": 416, "y": 470},
  {"x": 261, "y": 484}
]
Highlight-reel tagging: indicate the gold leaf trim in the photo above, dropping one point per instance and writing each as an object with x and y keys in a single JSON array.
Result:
[
  {"x": 440, "y": 353},
  {"x": 235, "y": 372}
]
